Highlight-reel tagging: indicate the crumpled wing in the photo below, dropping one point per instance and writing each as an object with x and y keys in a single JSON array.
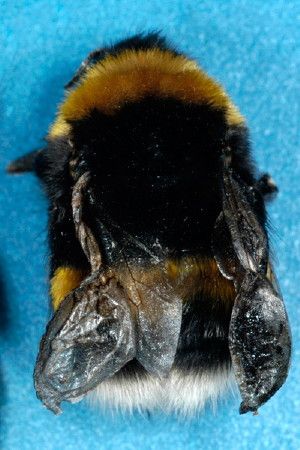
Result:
[
  {"x": 248, "y": 238},
  {"x": 90, "y": 338},
  {"x": 259, "y": 334},
  {"x": 157, "y": 308},
  {"x": 158, "y": 327},
  {"x": 259, "y": 341}
]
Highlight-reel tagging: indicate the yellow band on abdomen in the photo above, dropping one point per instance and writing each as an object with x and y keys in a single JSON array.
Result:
[{"x": 65, "y": 279}]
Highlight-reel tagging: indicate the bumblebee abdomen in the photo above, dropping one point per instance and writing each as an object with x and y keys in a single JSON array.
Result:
[{"x": 159, "y": 249}]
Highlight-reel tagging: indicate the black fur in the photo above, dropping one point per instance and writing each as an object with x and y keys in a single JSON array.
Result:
[{"x": 52, "y": 167}]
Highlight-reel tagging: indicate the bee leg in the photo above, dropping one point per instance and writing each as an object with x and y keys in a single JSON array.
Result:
[
  {"x": 267, "y": 187},
  {"x": 25, "y": 163}
]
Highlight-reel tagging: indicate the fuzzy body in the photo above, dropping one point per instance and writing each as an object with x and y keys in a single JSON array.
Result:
[
  {"x": 183, "y": 392},
  {"x": 150, "y": 127}
]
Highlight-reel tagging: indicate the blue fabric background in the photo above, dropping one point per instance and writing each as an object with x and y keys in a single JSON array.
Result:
[{"x": 253, "y": 48}]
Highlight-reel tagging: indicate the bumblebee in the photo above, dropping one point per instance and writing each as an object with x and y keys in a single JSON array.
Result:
[{"x": 160, "y": 272}]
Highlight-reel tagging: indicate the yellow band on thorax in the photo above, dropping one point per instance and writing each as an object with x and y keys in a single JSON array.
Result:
[{"x": 132, "y": 75}]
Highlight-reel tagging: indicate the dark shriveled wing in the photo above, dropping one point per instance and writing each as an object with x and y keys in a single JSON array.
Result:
[
  {"x": 248, "y": 238},
  {"x": 158, "y": 328},
  {"x": 90, "y": 338},
  {"x": 103, "y": 324},
  {"x": 97, "y": 330},
  {"x": 259, "y": 341},
  {"x": 259, "y": 335}
]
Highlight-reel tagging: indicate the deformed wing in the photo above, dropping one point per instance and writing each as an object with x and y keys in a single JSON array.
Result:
[{"x": 90, "y": 338}]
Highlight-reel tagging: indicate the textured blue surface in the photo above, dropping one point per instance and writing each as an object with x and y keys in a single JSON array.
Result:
[{"x": 253, "y": 48}]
